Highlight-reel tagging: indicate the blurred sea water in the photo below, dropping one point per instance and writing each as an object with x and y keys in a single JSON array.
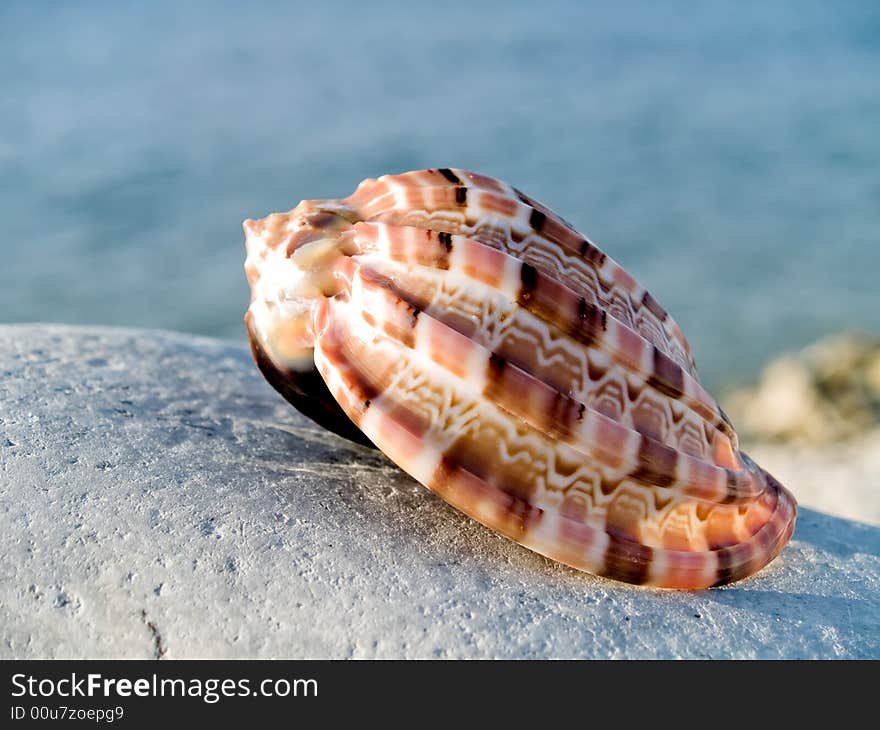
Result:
[{"x": 727, "y": 154}]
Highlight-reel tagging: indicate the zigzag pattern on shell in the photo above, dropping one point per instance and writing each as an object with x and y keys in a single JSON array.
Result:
[{"x": 509, "y": 365}]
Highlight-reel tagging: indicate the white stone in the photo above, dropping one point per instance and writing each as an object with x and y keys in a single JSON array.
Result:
[{"x": 159, "y": 499}]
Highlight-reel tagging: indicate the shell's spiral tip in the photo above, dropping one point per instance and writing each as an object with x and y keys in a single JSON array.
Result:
[{"x": 511, "y": 366}]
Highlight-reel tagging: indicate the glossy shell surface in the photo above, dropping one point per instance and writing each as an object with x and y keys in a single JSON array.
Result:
[{"x": 509, "y": 365}]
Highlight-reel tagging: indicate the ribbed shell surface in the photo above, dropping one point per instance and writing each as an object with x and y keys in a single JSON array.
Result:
[{"x": 505, "y": 362}]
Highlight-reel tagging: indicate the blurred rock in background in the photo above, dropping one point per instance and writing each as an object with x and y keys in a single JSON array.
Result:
[
  {"x": 813, "y": 421},
  {"x": 827, "y": 393}
]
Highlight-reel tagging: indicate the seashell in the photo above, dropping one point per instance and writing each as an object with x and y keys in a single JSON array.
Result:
[{"x": 509, "y": 365}]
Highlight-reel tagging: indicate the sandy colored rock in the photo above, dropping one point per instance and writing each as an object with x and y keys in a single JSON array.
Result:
[
  {"x": 826, "y": 393},
  {"x": 873, "y": 377},
  {"x": 160, "y": 500},
  {"x": 783, "y": 404}
]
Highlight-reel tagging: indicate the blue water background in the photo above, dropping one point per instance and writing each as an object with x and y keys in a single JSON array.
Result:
[{"x": 727, "y": 154}]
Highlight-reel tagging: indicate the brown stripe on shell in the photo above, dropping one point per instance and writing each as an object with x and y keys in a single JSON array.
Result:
[
  {"x": 657, "y": 463},
  {"x": 478, "y": 460},
  {"x": 727, "y": 570},
  {"x": 532, "y": 203},
  {"x": 387, "y": 282},
  {"x": 523, "y": 198},
  {"x": 528, "y": 276},
  {"x": 366, "y": 387},
  {"x": 450, "y": 175},
  {"x": 495, "y": 368},
  {"x": 591, "y": 253},
  {"x": 627, "y": 560},
  {"x": 517, "y": 514},
  {"x": 667, "y": 377},
  {"x": 653, "y": 306},
  {"x": 563, "y": 416},
  {"x": 539, "y": 294},
  {"x": 590, "y": 320},
  {"x": 537, "y": 220},
  {"x": 513, "y": 389},
  {"x": 446, "y": 240}
]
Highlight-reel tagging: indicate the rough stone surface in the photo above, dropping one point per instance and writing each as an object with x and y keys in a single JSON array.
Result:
[{"x": 160, "y": 500}]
